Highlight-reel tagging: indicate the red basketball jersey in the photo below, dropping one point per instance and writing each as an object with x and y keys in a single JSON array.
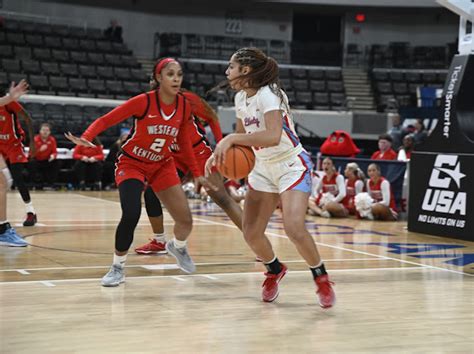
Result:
[
  {"x": 10, "y": 128},
  {"x": 153, "y": 131},
  {"x": 201, "y": 112},
  {"x": 375, "y": 191}
]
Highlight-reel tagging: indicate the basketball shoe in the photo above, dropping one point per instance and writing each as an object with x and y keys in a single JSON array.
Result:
[
  {"x": 327, "y": 297},
  {"x": 182, "y": 257},
  {"x": 30, "y": 220},
  {"x": 270, "y": 285},
  {"x": 12, "y": 239},
  {"x": 114, "y": 277},
  {"x": 152, "y": 247}
]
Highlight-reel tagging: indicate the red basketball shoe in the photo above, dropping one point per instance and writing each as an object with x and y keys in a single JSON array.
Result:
[
  {"x": 152, "y": 247},
  {"x": 30, "y": 220},
  {"x": 327, "y": 297},
  {"x": 270, "y": 285}
]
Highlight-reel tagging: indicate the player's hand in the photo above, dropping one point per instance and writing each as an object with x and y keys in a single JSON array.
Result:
[
  {"x": 221, "y": 149},
  {"x": 206, "y": 184},
  {"x": 77, "y": 140},
  {"x": 210, "y": 163},
  {"x": 16, "y": 91}
]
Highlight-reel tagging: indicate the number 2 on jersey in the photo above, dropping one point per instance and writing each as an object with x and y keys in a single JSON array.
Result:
[{"x": 158, "y": 144}]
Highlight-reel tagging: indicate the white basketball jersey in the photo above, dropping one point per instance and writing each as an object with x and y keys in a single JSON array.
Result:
[{"x": 251, "y": 111}]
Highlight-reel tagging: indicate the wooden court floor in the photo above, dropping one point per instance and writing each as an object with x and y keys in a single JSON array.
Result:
[{"x": 398, "y": 292}]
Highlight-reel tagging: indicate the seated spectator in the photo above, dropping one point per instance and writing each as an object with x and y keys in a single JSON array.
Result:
[
  {"x": 108, "y": 177},
  {"x": 379, "y": 202},
  {"x": 404, "y": 154},
  {"x": 88, "y": 166},
  {"x": 355, "y": 184},
  {"x": 43, "y": 165},
  {"x": 385, "y": 151},
  {"x": 114, "y": 32},
  {"x": 396, "y": 131},
  {"x": 331, "y": 191},
  {"x": 235, "y": 190},
  {"x": 420, "y": 133}
]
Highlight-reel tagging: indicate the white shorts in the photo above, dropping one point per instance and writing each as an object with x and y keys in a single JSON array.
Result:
[{"x": 293, "y": 173}]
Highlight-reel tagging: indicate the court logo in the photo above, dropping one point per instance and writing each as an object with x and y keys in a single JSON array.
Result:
[{"x": 443, "y": 195}]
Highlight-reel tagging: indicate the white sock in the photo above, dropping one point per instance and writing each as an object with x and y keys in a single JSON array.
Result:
[
  {"x": 160, "y": 237},
  {"x": 119, "y": 260},
  {"x": 179, "y": 244},
  {"x": 29, "y": 208},
  {"x": 318, "y": 265},
  {"x": 273, "y": 260}
]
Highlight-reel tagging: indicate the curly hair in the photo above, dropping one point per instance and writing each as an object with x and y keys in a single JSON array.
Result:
[{"x": 264, "y": 71}]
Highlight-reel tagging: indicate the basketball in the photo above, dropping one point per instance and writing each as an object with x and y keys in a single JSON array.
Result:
[{"x": 239, "y": 161}]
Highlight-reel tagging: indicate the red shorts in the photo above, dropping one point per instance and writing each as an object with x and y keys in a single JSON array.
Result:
[
  {"x": 159, "y": 176},
  {"x": 202, "y": 153},
  {"x": 14, "y": 152}
]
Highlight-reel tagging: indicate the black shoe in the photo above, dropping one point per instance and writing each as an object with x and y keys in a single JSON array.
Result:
[{"x": 31, "y": 220}]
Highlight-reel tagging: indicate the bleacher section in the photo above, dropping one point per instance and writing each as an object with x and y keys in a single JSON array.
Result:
[
  {"x": 401, "y": 84},
  {"x": 71, "y": 114},
  {"x": 215, "y": 47},
  {"x": 307, "y": 87},
  {"x": 68, "y": 61},
  {"x": 402, "y": 55}
]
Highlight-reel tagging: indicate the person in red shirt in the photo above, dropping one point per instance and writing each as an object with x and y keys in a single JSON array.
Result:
[
  {"x": 8, "y": 235},
  {"x": 201, "y": 111},
  {"x": 12, "y": 136},
  {"x": 331, "y": 184},
  {"x": 160, "y": 117},
  {"x": 43, "y": 165},
  {"x": 88, "y": 166},
  {"x": 381, "y": 192},
  {"x": 385, "y": 151}
]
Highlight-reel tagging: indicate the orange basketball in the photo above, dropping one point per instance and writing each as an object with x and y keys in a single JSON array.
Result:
[{"x": 239, "y": 161}]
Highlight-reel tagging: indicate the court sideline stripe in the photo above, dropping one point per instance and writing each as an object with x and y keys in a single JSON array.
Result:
[
  {"x": 182, "y": 277},
  {"x": 25, "y": 270},
  {"x": 322, "y": 244}
]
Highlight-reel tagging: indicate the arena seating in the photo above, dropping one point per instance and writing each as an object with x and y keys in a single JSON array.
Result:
[
  {"x": 215, "y": 47},
  {"x": 307, "y": 87},
  {"x": 68, "y": 61},
  {"x": 401, "y": 84}
]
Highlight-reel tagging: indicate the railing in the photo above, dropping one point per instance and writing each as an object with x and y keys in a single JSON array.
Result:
[
  {"x": 217, "y": 47},
  {"x": 66, "y": 21}
]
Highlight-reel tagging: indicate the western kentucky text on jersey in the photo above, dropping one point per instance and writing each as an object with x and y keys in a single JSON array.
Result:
[
  {"x": 163, "y": 130},
  {"x": 140, "y": 152}
]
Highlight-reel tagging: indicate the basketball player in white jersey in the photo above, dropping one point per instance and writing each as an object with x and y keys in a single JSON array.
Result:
[{"x": 282, "y": 168}]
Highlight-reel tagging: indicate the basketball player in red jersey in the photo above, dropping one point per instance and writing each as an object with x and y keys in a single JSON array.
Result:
[
  {"x": 8, "y": 235},
  {"x": 160, "y": 117},
  {"x": 12, "y": 136},
  {"x": 202, "y": 151},
  {"x": 381, "y": 192}
]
